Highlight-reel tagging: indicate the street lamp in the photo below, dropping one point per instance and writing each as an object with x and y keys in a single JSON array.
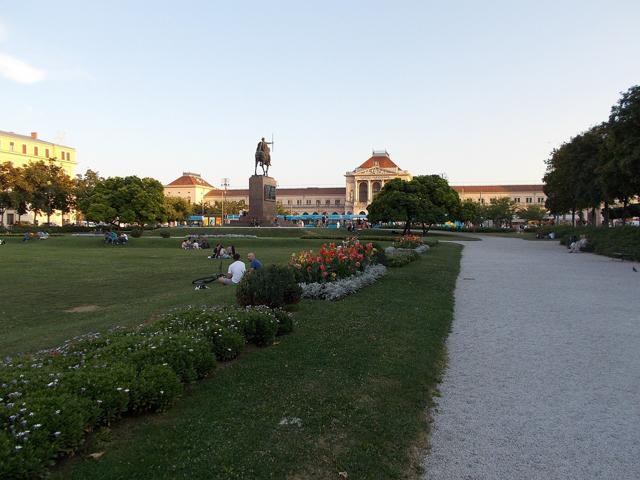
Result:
[{"x": 225, "y": 184}]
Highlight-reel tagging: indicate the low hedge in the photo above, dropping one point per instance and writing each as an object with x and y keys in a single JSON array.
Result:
[
  {"x": 49, "y": 400},
  {"x": 603, "y": 241}
]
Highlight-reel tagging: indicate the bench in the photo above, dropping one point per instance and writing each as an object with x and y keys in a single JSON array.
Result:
[{"x": 622, "y": 256}]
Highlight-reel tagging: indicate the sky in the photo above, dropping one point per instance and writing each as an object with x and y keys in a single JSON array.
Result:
[{"x": 478, "y": 91}]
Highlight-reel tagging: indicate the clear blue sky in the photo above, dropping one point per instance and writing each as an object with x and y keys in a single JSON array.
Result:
[{"x": 481, "y": 91}]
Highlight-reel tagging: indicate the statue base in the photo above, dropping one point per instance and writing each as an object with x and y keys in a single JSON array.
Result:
[{"x": 262, "y": 202}]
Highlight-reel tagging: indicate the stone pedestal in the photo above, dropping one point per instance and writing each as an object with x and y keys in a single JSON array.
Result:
[{"x": 262, "y": 201}]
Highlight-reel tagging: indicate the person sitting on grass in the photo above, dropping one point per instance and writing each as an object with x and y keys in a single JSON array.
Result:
[
  {"x": 26, "y": 237},
  {"x": 254, "y": 263},
  {"x": 577, "y": 246},
  {"x": 204, "y": 243},
  {"x": 123, "y": 239},
  {"x": 235, "y": 273}
]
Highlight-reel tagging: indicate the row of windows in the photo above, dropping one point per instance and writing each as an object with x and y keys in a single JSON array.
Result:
[
  {"x": 318, "y": 202},
  {"x": 36, "y": 151},
  {"x": 539, "y": 200}
]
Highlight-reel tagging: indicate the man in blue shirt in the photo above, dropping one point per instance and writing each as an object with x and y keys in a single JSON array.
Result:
[{"x": 254, "y": 263}]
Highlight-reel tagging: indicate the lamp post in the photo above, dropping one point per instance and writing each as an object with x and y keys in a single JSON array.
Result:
[{"x": 225, "y": 184}]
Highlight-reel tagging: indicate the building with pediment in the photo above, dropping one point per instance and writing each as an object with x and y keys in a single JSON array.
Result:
[
  {"x": 363, "y": 183},
  {"x": 361, "y": 186}
]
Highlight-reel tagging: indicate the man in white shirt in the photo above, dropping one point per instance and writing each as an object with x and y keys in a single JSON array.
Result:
[{"x": 235, "y": 273}]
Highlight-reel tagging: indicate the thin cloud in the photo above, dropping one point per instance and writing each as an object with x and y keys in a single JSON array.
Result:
[
  {"x": 19, "y": 71},
  {"x": 3, "y": 31}
]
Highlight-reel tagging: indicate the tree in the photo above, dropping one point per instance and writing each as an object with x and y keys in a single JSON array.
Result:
[
  {"x": 178, "y": 209},
  {"x": 471, "y": 212},
  {"x": 84, "y": 186},
  {"x": 131, "y": 200},
  {"x": 51, "y": 188},
  {"x": 501, "y": 211},
  {"x": 437, "y": 203},
  {"x": 624, "y": 143},
  {"x": 533, "y": 213},
  {"x": 7, "y": 183},
  {"x": 426, "y": 200}
]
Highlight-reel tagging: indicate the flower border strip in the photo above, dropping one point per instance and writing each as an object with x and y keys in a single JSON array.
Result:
[{"x": 341, "y": 288}]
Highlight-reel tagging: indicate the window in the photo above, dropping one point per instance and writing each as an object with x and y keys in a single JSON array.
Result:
[
  {"x": 540, "y": 200},
  {"x": 328, "y": 202},
  {"x": 46, "y": 153},
  {"x": 24, "y": 149},
  {"x": 298, "y": 202},
  {"x": 62, "y": 154},
  {"x": 337, "y": 201},
  {"x": 288, "y": 202},
  {"x": 308, "y": 202},
  {"x": 528, "y": 200},
  {"x": 363, "y": 192},
  {"x": 35, "y": 151},
  {"x": 516, "y": 199},
  {"x": 11, "y": 146},
  {"x": 318, "y": 202}
]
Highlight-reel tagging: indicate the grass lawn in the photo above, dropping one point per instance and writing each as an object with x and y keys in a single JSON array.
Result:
[
  {"x": 346, "y": 392},
  {"x": 42, "y": 282}
]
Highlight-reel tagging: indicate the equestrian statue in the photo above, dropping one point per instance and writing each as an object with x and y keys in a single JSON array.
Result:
[{"x": 263, "y": 157}]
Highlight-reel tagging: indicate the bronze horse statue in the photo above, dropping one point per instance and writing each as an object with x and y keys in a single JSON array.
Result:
[{"x": 263, "y": 157}]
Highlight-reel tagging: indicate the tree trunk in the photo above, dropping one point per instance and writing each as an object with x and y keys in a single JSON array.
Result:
[
  {"x": 625, "y": 203},
  {"x": 407, "y": 227},
  {"x": 573, "y": 217},
  {"x": 605, "y": 215}
]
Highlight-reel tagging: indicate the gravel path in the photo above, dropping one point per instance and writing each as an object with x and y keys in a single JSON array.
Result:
[{"x": 543, "y": 380}]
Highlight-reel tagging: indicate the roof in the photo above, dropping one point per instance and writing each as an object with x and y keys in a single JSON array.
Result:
[
  {"x": 380, "y": 160},
  {"x": 496, "y": 188},
  {"x": 28, "y": 137},
  {"x": 283, "y": 192},
  {"x": 189, "y": 180}
]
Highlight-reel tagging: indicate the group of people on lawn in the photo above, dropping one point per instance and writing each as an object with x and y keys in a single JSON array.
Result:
[
  {"x": 113, "y": 238},
  {"x": 195, "y": 243},
  {"x": 237, "y": 269}
]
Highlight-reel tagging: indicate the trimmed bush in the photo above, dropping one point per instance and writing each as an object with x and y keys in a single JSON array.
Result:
[
  {"x": 274, "y": 286},
  {"x": 165, "y": 233},
  {"x": 285, "y": 321},
  {"x": 157, "y": 387},
  {"x": 137, "y": 232},
  {"x": 260, "y": 329}
]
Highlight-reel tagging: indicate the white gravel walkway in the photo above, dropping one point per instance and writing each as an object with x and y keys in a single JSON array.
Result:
[{"x": 543, "y": 380}]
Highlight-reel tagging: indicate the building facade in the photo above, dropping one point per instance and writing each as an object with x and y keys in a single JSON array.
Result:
[
  {"x": 190, "y": 186},
  {"x": 361, "y": 186},
  {"x": 20, "y": 150},
  {"x": 363, "y": 183}
]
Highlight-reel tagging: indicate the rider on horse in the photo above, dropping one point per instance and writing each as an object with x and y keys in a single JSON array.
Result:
[{"x": 263, "y": 157}]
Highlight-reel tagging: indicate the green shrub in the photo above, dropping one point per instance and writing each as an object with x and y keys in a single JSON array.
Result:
[
  {"x": 106, "y": 385},
  {"x": 285, "y": 321},
  {"x": 274, "y": 286},
  {"x": 137, "y": 232},
  {"x": 156, "y": 389},
  {"x": 603, "y": 241},
  {"x": 227, "y": 343},
  {"x": 165, "y": 233},
  {"x": 401, "y": 258},
  {"x": 260, "y": 329}
]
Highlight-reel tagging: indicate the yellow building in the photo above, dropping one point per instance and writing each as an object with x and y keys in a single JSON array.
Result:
[
  {"x": 21, "y": 150},
  {"x": 190, "y": 186}
]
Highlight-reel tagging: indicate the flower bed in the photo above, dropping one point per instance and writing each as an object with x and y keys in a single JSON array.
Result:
[
  {"x": 49, "y": 400},
  {"x": 345, "y": 286},
  {"x": 408, "y": 241},
  {"x": 333, "y": 261}
]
